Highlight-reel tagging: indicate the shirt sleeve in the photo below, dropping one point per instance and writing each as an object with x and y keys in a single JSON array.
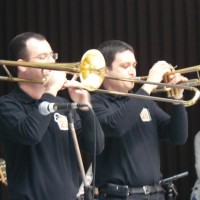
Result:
[
  {"x": 174, "y": 127},
  {"x": 92, "y": 136},
  {"x": 22, "y": 125}
]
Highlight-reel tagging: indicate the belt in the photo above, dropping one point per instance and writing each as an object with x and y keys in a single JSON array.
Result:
[
  {"x": 147, "y": 189},
  {"x": 113, "y": 189}
]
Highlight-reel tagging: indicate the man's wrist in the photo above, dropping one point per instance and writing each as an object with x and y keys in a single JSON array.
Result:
[{"x": 148, "y": 88}]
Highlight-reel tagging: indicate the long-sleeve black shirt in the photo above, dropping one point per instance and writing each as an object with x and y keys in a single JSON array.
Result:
[
  {"x": 132, "y": 127},
  {"x": 40, "y": 154}
]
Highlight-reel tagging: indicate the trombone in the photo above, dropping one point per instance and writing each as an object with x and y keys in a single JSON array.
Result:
[{"x": 91, "y": 71}]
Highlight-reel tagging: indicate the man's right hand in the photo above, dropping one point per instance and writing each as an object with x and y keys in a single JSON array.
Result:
[
  {"x": 156, "y": 74},
  {"x": 54, "y": 82}
]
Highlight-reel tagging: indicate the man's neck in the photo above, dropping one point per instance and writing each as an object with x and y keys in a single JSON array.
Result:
[
  {"x": 112, "y": 87},
  {"x": 32, "y": 89}
]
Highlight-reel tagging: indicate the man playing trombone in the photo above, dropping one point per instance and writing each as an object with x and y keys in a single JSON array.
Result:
[
  {"x": 40, "y": 154},
  {"x": 129, "y": 166}
]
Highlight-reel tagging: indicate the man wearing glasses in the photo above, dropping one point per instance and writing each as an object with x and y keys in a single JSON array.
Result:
[{"x": 40, "y": 154}]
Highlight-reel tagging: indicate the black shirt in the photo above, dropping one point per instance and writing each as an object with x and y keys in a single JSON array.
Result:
[
  {"x": 132, "y": 127},
  {"x": 40, "y": 154}
]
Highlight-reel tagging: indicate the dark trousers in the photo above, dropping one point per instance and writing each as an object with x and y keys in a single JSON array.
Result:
[{"x": 154, "y": 196}]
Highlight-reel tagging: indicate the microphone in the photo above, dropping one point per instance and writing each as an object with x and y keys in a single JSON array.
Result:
[
  {"x": 46, "y": 108},
  {"x": 173, "y": 178}
]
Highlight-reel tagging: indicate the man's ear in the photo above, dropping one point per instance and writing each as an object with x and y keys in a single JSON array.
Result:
[{"x": 21, "y": 68}]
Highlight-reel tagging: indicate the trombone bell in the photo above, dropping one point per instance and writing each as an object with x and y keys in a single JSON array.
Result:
[{"x": 92, "y": 69}]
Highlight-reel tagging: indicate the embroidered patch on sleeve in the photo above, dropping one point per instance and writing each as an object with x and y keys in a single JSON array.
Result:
[{"x": 145, "y": 115}]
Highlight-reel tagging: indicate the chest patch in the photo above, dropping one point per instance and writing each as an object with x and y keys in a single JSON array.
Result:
[
  {"x": 145, "y": 115},
  {"x": 61, "y": 121}
]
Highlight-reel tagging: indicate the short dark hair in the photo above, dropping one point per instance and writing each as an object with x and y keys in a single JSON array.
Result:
[
  {"x": 17, "y": 47},
  {"x": 109, "y": 49}
]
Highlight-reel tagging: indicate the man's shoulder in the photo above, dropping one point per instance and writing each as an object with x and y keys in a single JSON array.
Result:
[{"x": 7, "y": 97}]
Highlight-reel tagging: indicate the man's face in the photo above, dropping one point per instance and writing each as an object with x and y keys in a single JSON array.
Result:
[
  {"x": 39, "y": 51},
  {"x": 123, "y": 66}
]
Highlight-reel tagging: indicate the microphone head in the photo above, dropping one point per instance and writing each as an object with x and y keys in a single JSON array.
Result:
[{"x": 46, "y": 108}]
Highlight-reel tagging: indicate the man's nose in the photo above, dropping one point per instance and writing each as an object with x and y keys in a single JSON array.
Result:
[{"x": 132, "y": 71}]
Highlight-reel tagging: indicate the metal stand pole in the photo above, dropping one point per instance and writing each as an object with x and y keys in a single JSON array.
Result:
[{"x": 87, "y": 188}]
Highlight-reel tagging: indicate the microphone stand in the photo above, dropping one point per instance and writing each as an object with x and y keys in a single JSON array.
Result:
[
  {"x": 171, "y": 189},
  {"x": 87, "y": 188}
]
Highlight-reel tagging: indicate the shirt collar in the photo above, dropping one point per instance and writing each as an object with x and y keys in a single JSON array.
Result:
[{"x": 19, "y": 93}]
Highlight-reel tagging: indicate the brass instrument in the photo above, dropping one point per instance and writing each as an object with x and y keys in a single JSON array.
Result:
[
  {"x": 91, "y": 70},
  {"x": 186, "y": 103}
]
